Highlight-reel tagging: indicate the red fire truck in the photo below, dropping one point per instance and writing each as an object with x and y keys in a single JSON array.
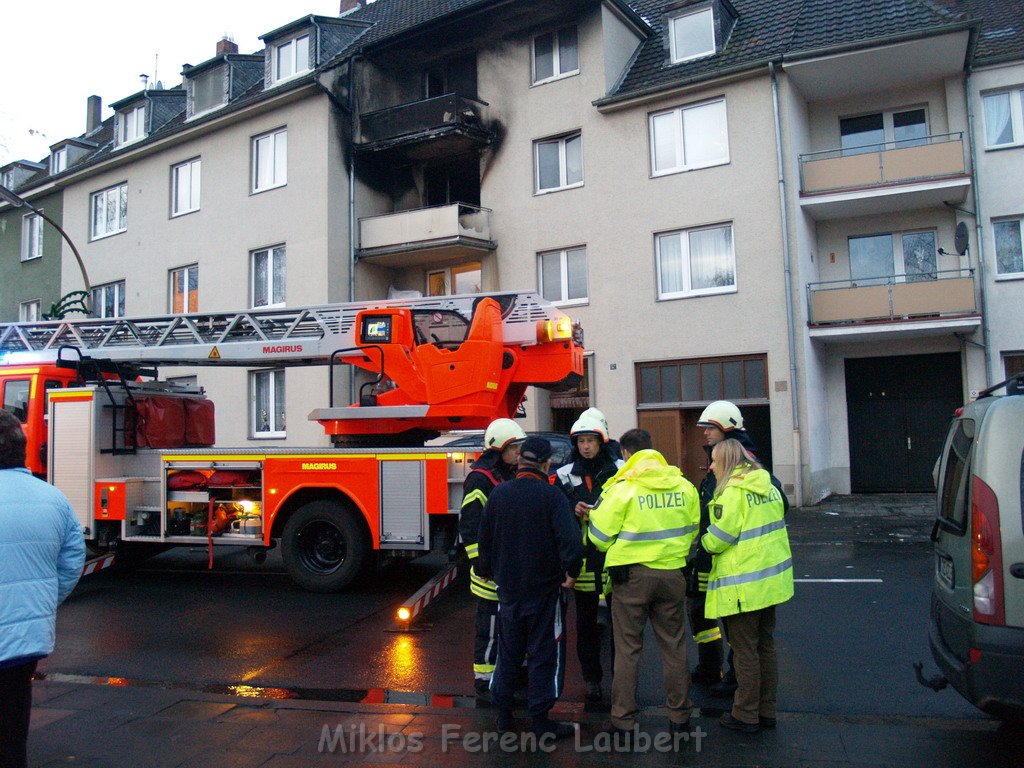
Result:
[{"x": 138, "y": 459}]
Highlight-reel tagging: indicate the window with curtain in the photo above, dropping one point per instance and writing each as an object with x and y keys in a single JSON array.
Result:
[
  {"x": 268, "y": 277},
  {"x": 266, "y": 390},
  {"x": 1009, "y": 257},
  {"x": 689, "y": 137},
  {"x": 1003, "y": 118},
  {"x": 270, "y": 160},
  {"x": 563, "y": 275},
  {"x": 695, "y": 262}
]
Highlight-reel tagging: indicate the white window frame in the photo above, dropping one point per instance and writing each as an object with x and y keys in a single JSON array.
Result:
[
  {"x": 58, "y": 160},
  {"x": 254, "y": 418},
  {"x": 995, "y": 253},
  {"x": 272, "y": 252},
  {"x": 899, "y": 264},
  {"x": 688, "y": 291},
  {"x": 680, "y": 145},
  {"x": 889, "y": 140},
  {"x": 98, "y": 303},
  {"x": 193, "y": 169},
  {"x": 563, "y": 287},
  {"x": 672, "y": 35},
  {"x": 104, "y": 196},
  {"x": 1016, "y": 97},
  {"x": 186, "y": 272},
  {"x": 131, "y": 125},
  {"x": 562, "y": 165},
  {"x": 30, "y": 311},
  {"x": 556, "y": 63},
  {"x": 290, "y": 49},
  {"x": 31, "y": 237},
  {"x": 278, "y": 143}
]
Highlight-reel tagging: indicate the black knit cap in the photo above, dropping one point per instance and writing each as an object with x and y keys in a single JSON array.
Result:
[{"x": 535, "y": 449}]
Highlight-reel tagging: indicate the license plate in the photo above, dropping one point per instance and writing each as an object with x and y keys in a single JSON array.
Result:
[{"x": 944, "y": 570}]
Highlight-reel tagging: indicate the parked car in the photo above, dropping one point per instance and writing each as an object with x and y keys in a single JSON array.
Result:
[
  {"x": 561, "y": 448},
  {"x": 977, "y": 612}
]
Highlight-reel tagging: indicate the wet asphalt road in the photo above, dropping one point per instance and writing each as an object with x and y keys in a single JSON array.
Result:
[{"x": 845, "y": 647}]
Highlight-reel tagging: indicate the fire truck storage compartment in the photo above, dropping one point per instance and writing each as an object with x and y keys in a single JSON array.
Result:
[
  {"x": 225, "y": 496},
  {"x": 402, "y": 501},
  {"x": 173, "y": 422}
]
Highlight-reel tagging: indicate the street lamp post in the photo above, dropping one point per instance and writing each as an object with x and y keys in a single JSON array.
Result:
[{"x": 18, "y": 202}]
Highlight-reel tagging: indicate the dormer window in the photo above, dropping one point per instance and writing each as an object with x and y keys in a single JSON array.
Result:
[
  {"x": 290, "y": 58},
  {"x": 58, "y": 160},
  {"x": 207, "y": 91},
  {"x": 692, "y": 35},
  {"x": 132, "y": 125}
]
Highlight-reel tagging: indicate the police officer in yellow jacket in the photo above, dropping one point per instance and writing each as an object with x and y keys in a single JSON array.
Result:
[
  {"x": 751, "y": 573},
  {"x": 496, "y": 464},
  {"x": 646, "y": 521}
]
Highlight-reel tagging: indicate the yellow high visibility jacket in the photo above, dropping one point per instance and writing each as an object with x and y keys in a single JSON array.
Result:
[
  {"x": 752, "y": 564},
  {"x": 648, "y": 513}
]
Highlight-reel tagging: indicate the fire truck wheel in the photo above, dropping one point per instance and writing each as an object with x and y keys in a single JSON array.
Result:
[{"x": 324, "y": 547}]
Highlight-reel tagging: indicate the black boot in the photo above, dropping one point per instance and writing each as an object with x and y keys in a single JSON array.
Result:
[{"x": 709, "y": 663}]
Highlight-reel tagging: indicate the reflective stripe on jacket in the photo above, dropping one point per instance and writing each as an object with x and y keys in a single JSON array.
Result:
[
  {"x": 579, "y": 487},
  {"x": 487, "y": 472},
  {"x": 752, "y": 565},
  {"x": 648, "y": 513}
]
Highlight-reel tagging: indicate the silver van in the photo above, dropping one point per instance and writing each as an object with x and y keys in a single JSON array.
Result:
[{"x": 977, "y": 612}]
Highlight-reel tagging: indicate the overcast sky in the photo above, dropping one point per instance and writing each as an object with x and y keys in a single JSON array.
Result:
[{"x": 56, "y": 53}]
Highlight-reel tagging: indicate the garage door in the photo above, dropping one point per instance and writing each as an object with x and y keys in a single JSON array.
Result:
[{"x": 898, "y": 409}]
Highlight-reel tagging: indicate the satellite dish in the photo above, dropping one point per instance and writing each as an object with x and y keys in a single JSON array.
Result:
[{"x": 960, "y": 240}]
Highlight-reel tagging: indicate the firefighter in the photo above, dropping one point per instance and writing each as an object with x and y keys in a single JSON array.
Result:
[
  {"x": 646, "y": 521},
  {"x": 751, "y": 573},
  {"x": 591, "y": 463},
  {"x": 496, "y": 464},
  {"x": 720, "y": 420}
]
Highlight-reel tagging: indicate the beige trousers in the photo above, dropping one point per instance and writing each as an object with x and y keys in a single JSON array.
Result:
[
  {"x": 751, "y": 635},
  {"x": 658, "y": 596}
]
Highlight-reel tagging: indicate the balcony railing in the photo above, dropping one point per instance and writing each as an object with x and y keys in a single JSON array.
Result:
[
  {"x": 934, "y": 294},
  {"x": 456, "y": 226},
  {"x": 891, "y": 162},
  {"x": 450, "y": 111}
]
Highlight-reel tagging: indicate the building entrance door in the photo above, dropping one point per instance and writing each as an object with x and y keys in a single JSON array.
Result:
[{"x": 898, "y": 410}]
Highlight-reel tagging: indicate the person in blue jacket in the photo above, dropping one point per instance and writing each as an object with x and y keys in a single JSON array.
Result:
[
  {"x": 41, "y": 556},
  {"x": 530, "y": 545}
]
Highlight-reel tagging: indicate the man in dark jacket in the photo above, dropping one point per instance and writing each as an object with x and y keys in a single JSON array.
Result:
[
  {"x": 591, "y": 463},
  {"x": 720, "y": 420},
  {"x": 530, "y": 545}
]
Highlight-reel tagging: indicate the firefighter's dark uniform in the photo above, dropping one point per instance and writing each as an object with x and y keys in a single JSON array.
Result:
[
  {"x": 486, "y": 473},
  {"x": 529, "y": 541},
  {"x": 581, "y": 480}
]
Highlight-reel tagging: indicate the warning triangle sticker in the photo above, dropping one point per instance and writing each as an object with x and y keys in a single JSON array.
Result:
[{"x": 214, "y": 354}]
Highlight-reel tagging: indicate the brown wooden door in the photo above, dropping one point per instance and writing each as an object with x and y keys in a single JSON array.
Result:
[
  {"x": 666, "y": 432},
  {"x": 695, "y": 459}
]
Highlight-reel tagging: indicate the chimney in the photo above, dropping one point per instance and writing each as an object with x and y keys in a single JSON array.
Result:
[
  {"x": 349, "y": 5},
  {"x": 226, "y": 45},
  {"x": 93, "y": 110}
]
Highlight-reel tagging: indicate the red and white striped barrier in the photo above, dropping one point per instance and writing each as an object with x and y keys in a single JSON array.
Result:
[
  {"x": 97, "y": 564},
  {"x": 425, "y": 594}
]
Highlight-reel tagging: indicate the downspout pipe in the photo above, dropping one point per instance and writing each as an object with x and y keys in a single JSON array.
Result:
[
  {"x": 980, "y": 243},
  {"x": 798, "y": 485}
]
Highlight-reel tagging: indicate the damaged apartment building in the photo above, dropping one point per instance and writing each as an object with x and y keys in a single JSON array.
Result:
[{"x": 776, "y": 203}]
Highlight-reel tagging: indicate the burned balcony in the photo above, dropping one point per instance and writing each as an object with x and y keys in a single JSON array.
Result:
[
  {"x": 878, "y": 178},
  {"x": 426, "y": 235},
  {"x": 443, "y": 126},
  {"x": 893, "y": 305}
]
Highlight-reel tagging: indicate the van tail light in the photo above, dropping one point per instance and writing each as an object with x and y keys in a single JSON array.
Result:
[{"x": 986, "y": 556}]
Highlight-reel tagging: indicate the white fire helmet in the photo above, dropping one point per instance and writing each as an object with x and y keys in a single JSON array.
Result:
[
  {"x": 591, "y": 422},
  {"x": 722, "y": 414},
  {"x": 501, "y": 432}
]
